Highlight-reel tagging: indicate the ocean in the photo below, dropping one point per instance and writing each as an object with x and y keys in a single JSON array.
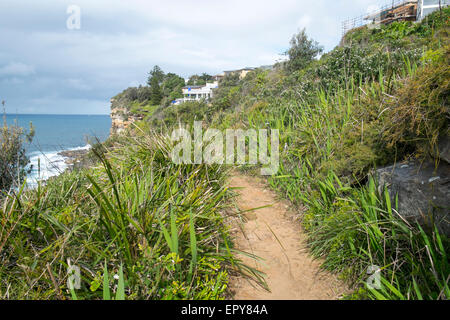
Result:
[{"x": 56, "y": 133}]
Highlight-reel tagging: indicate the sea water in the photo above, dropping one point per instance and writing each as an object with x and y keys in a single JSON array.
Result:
[{"x": 56, "y": 133}]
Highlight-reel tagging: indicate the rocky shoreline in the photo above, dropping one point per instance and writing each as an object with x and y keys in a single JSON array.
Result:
[{"x": 76, "y": 159}]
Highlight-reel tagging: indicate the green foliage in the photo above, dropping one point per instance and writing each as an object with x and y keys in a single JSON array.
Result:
[
  {"x": 197, "y": 80},
  {"x": 362, "y": 105},
  {"x": 156, "y": 75},
  {"x": 380, "y": 98},
  {"x": 162, "y": 89},
  {"x": 302, "y": 51},
  {"x": 13, "y": 159},
  {"x": 422, "y": 109},
  {"x": 183, "y": 113},
  {"x": 118, "y": 212},
  {"x": 403, "y": 35},
  {"x": 348, "y": 64},
  {"x": 120, "y": 292},
  {"x": 171, "y": 87},
  {"x": 156, "y": 94},
  {"x": 354, "y": 229}
]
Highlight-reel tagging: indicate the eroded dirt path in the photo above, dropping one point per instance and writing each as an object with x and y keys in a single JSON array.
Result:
[{"x": 273, "y": 234}]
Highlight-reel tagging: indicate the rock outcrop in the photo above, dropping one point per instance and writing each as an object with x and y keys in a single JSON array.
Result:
[
  {"x": 121, "y": 117},
  {"x": 444, "y": 150},
  {"x": 423, "y": 192}
]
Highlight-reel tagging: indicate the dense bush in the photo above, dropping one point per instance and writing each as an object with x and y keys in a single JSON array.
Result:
[
  {"x": 302, "y": 51},
  {"x": 13, "y": 159},
  {"x": 376, "y": 100},
  {"x": 420, "y": 109},
  {"x": 380, "y": 98},
  {"x": 160, "y": 223}
]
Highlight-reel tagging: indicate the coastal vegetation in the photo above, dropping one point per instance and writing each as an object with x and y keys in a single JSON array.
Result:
[
  {"x": 379, "y": 98},
  {"x": 136, "y": 211},
  {"x": 13, "y": 159},
  {"x": 161, "y": 90}
]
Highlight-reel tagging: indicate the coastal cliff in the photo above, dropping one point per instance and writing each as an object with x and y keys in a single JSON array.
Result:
[
  {"x": 131, "y": 105},
  {"x": 121, "y": 116}
]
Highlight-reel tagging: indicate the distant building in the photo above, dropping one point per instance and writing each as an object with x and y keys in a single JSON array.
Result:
[
  {"x": 197, "y": 93},
  {"x": 425, "y": 7},
  {"x": 242, "y": 72},
  {"x": 206, "y": 92},
  {"x": 219, "y": 76},
  {"x": 397, "y": 10}
]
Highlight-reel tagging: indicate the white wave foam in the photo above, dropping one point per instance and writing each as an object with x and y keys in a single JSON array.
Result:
[{"x": 48, "y": 164}]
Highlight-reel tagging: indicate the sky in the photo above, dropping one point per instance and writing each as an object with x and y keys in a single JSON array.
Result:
[{"x": 50, "y": 64}]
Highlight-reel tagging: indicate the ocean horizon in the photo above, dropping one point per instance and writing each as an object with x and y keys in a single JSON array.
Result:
[{"x": 55, "y": 133}]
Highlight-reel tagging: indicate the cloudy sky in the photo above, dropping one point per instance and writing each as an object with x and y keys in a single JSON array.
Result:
[{"x": 46, "y": 67}]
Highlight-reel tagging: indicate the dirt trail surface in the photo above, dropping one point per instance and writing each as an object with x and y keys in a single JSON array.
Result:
[{"x": 273, "y": 234}]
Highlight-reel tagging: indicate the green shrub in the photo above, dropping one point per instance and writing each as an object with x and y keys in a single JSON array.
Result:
[
  {"x": 13, "y": 159},
  {"x": 162, "y": 222}
]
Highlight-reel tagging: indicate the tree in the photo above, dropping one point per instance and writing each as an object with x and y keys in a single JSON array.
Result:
[
  {"x": 172, "y": 84},
  {"x": 156, "y": 95},
  {"x": 13, "y": 159},
  {"x": 144, "y": 94},
  {"x": 302, "y": 52},
  {"x": 201, "y": 80},
  {"x": 164, "y": 88},
  {"x": 156, "y": 75},
  {"x": 155, "y": 79}
]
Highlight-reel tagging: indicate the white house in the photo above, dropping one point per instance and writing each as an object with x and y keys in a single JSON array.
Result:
[
  {"x": 425, "y": 7},
  {"x": 197, "y": 93}
]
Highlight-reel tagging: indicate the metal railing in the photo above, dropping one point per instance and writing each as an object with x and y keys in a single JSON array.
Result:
[{"x": 360, "y": 21}]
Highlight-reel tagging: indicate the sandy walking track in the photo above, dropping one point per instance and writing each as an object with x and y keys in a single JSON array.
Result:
[{"x": 272, "y": 234}]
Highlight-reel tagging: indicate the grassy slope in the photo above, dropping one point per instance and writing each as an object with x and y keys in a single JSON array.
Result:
[
  {"x": 380, "y": 98},
  {"x": 161, "y": 222},
  {"x": 338, "y": 119}
]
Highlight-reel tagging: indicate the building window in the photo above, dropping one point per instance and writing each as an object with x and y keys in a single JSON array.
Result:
[{"x": 430, "y": 2}]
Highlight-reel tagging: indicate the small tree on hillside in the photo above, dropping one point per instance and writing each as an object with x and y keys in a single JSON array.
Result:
[
  {"x": 201, "y": 80},
  {"x": 155, "y": 79},
  {"x": 302, "y": 52},
  {"x": 172, "y": 85},
  {"x": 13, "y": 159},
  {"x": 156, "y": 75},
  {"x": 156, "y": 95}
]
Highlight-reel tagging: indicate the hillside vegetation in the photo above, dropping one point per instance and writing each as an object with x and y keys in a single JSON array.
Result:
[
  {"x": 14, "y": 164},
  {"x": 136, "y": 224},
  {"x": 142, "y": 227},
  {"x": 379, "y": 98}
]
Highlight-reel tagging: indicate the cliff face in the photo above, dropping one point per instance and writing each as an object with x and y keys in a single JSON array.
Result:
[{"x": 121, "y": 116}]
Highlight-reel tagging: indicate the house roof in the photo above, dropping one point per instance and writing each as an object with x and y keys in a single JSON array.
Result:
[{"x": 193, "y": 87}]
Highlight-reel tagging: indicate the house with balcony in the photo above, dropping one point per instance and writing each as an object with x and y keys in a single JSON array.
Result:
[{"x": 197, "y": 93}]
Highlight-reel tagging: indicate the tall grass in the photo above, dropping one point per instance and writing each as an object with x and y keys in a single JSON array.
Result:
[
  {"x": 353, "y": 229},
  {"x": 332, "y": 142},
  {"x": 162, "y": 222}
]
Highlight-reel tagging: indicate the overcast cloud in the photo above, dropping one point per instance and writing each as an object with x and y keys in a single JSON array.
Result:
[{"x": 47, "y": 68}]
